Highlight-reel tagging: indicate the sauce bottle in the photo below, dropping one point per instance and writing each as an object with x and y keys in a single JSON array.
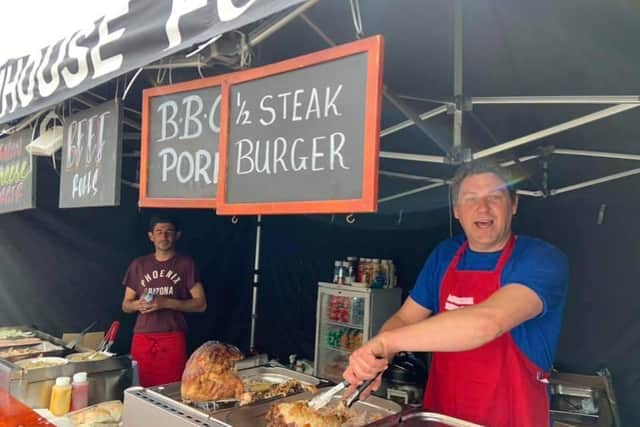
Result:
[
  {"x": 79, "y": 391},
  {"x": 60, "y": 397}
]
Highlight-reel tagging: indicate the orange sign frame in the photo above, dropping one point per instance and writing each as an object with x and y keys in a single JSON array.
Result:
[
  {"x": 373, "y": 46},
  {"x": 145, "y": 201}
]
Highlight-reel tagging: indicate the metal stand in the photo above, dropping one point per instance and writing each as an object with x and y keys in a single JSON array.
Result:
[{"x": 254, "y": 297}]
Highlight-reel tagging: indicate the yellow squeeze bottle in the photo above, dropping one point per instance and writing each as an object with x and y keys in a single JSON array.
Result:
[{"x": 60, "y": 396}]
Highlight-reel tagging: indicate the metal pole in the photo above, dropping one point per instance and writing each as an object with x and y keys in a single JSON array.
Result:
[
  {"x": 602, "y": 154},
  {"x": 261, "y": 33},
  {"x": 405, "y": 124},
  {"x": 411, "y": 115},
  {"x": 254, "y": 297},
  {"x": 595, "y": 181},
  {"x": 457, "y": 72},
  {"x": 610, "y": 111},
  {"x": 626, "y": 99},
  {"x": 410, "y": 176},
  {"x": 414, "y": 191},
  {"x": 415, "y": 157},
  {"x": 519, "y": 160},
  {"x": 530, "y": 193}
]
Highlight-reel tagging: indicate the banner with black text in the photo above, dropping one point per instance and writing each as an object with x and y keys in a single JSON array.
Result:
[{"x": 137, "y": 33}]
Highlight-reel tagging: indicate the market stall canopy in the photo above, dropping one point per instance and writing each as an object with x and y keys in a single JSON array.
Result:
[{"x": 128, "y": 35}]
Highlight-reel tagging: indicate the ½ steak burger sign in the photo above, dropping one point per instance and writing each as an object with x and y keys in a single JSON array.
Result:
[{"x": 302, "y": 136}]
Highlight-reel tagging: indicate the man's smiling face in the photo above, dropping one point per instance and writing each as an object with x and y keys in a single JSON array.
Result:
[{"x": 485, "y": 209}]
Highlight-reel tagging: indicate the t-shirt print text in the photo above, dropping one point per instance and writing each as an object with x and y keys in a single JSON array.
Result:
[
  {"x": 454, "y": 302},
  {"x": 160, "y": 274}
]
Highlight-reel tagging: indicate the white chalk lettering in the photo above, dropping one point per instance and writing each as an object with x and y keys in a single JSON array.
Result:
[
  {"x": 190, "y": 116},
  {"x": 335, "y": 151},
  {"x": 194, "y": 121},
  {"x": 283, "y": 97},
  {"x": 89, "y": 132},
  {"x": 244, "y": 156},
  {"x": 330, "y": 101},
  {"x": 279, "y": 156},
  {"x": 187, "y": 166},
  {"x": 316, "y": 153},
  {"x": 300, "y": 104},
  {"x": 314, "y": 105},
  {"x": 302, "y": 165},
  {"x": 269, "y": 157},
  {"x": 85, "y": 185},
  {"x": 296, "y": 104},
  {"x": 270, "y": 110},
  {"x": 169, "y": 110}
]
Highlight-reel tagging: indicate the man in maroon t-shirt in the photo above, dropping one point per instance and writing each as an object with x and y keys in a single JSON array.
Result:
[{"x": 159, "y": 287}]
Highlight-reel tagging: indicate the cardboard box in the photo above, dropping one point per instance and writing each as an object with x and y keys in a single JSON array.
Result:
[{"x": 89, "y": 341}]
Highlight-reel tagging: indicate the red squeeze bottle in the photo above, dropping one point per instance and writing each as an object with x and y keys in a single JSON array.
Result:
[{"x": 79, "y": 391}]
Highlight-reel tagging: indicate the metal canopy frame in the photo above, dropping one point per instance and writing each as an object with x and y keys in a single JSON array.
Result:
[{"x": 456, "y": 106}]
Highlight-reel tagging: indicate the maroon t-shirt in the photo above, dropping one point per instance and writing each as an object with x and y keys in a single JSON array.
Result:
[{"x": 172, "y": 278}]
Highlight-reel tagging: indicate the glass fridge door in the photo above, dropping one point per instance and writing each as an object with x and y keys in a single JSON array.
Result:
[{"x": 341, "y": 330}]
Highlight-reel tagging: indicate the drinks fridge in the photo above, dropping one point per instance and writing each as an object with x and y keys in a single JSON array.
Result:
[{"x": 346, "y": 317}]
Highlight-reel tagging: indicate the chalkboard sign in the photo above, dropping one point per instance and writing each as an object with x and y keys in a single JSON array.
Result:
[
  {"x": 17, "y": 173},
  {"x": 180, "y": 136},
  {"x": 302, "y": 136},
  {"x": 92, "y": 157}
]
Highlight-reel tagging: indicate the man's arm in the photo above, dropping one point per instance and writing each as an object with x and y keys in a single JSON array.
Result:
[
  {"x": 411, "y": 312},
  {"x": 197, "y": 303},
  {"x": 457, "y": 330},
  {"x": 131, "y": 304},
  {"x": 469, "y": 327}
]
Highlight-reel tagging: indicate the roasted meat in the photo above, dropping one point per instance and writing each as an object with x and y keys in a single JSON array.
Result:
[
  {"x": 299, "y": 414},
  {"x": 276, "y": 390},
  {"x": 210, "y": 374}
]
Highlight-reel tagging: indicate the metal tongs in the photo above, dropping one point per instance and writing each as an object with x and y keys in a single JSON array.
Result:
[
  {"x": 321, "y": 400},
  {"x": 107, "y": 341}
]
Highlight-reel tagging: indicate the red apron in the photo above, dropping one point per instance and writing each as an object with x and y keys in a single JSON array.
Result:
[
  {"x": 494, "y": 385},
  {"x": 161, "y": 357}
]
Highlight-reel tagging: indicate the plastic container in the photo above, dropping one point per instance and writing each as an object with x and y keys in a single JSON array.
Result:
[
  {"x": 147, "y": 296},
  {"x": 79, "y": 391},
  {"x": 60, "y": 401}
]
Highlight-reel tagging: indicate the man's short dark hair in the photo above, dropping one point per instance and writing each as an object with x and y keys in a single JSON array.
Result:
[
  {"x": 478, "y": 167},
  {"x": 158, "y": 219}
]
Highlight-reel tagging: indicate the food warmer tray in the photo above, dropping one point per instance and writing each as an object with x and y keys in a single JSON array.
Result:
[
  {"x": 107, "y": 378},
  {"x": 421, "y": 418},
  {"x": 255, "y": 415},
  {"x": 162, "y": 405},
  {"x": 260, "y": 374}
]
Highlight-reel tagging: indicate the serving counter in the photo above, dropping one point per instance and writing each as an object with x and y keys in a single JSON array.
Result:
[{"x": 108, "y": 378}]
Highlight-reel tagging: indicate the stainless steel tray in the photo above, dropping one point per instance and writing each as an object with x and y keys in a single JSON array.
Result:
[
  {"x": 420, "y": 418},
  {"x": 255, "y": 415},
  {"x": 45, "y": 348},
  {"x": 275, "y": 375}
]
